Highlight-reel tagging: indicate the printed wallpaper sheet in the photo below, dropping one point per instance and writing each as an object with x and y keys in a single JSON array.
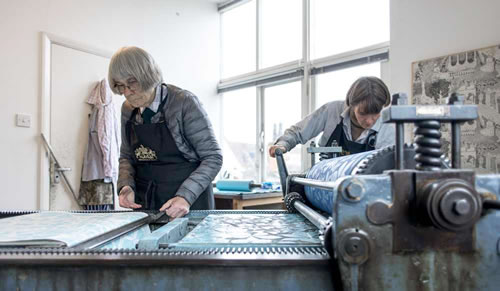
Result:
[
  {"x": 475, "y": 74},
  {"x": 59, "y": 229},
  {"x": 252, "y": 230}
]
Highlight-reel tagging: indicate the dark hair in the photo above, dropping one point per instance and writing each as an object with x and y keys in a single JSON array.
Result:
[{"x": 369, "y": 92}]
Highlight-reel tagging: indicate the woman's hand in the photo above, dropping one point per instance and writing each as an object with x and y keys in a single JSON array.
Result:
[
  {"x": 176, "y": 207},
  {"x": 273, "y": 148},
  {"x": 127, "y": 198}
]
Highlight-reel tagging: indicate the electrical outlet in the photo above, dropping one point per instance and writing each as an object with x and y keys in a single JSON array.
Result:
[{"x": 23, "y": 120}]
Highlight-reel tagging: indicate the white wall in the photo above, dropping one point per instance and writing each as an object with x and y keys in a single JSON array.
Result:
[
  {"x": 182, "y": 35},
  {"x": 423, "y": 29}
]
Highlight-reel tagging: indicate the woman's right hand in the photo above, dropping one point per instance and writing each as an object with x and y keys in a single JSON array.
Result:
[
  {"x": 127, "y": 198},
  {"x": 273, "y": 148}
]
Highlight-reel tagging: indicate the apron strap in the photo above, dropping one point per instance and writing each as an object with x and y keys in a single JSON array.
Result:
[{"x": 337, "y": 133}]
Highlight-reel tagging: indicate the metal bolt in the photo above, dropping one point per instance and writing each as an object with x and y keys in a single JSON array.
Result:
[
  {"x": 354, "y": 246},
  {"x": 462, "y": 207},
  {"x": 354, "y": 191}
]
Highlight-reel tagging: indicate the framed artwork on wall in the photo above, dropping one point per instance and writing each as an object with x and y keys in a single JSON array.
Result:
[{"x": 474, "y": 74}]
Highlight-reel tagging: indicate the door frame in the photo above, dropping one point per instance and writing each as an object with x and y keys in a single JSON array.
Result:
[{"x": 46, "y": 94}]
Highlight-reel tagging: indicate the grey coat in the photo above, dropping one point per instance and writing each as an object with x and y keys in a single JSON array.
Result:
[
  {"x": 325, "y": 119},
  {"x": 193, "y": 134}
]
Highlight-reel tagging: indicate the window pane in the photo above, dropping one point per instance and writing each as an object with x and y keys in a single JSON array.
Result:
[
  {"x": 334, "y": 86},
  {"x": 240, "y": 161},
  {"x": 282, "y": 109},
  {"x": 339, "y": 26},
  {"x": 281, "y": 31},
  {"x": 239, "y": 40}
]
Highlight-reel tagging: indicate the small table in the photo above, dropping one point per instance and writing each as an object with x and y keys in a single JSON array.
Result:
[{"x": 238, "y": 200}]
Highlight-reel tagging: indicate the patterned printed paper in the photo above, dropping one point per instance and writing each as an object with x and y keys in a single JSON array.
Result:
[
  {"x": 251, "y": 230},
  {"x": 58, "y": 228},
  {"x": 474, "y": 74}
]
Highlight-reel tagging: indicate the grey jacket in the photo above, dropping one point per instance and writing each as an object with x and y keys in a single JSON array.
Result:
[
  {"x": 325, "y": 119},
  {"x": 193, "y": 134}
]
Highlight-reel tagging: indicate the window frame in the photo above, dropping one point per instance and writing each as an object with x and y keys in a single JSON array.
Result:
[{"x": 304, "y": 69}]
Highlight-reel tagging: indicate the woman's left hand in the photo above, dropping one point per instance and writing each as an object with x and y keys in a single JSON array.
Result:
[{"x": 176, "y": 207}]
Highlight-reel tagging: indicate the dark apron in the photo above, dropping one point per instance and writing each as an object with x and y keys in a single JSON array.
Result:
[
  {"x": 351, "y": 147},
  {"x": 160, "y": 168}
]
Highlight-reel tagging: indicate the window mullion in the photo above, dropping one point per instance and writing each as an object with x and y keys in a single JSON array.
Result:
[
  {"x": 260, "y": 136},
  {"x": 258, "y": 41},
  {"x": 260, "y": 98},
  {"x": 306, "y": 100}
]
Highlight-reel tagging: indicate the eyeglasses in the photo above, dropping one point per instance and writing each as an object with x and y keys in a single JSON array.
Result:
[{"x": 132, "y": 86}]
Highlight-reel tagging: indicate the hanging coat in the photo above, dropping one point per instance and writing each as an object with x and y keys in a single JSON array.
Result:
[{"x": 100, "y": 163}]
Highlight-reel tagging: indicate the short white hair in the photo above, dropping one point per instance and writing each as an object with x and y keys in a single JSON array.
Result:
[{"x": 134, "y": 62}]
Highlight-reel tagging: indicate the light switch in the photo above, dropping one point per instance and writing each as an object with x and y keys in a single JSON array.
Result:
[{"x": 23, "y": 120}]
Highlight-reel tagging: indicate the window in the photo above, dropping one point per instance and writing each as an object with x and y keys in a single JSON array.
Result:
[
  {"x": 239, "y": 128},
  {"x": 334, "y": 85},
  {"x": 277, "y": 120},
  {"x": 263, "y": 84},
  {"x": 281, "y": 31},
  {"x": 238, "y": 40},
  {"x": 342, "y": 26}
]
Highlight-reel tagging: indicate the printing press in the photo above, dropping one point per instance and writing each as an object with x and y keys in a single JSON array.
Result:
[{"x": 398, "y": 218}]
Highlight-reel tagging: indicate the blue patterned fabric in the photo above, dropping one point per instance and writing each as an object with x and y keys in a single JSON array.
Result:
[
  {"x": 240, "y": 230},
  {"x": 59, "y": 228},
  {"x": 331, "y": 170}
]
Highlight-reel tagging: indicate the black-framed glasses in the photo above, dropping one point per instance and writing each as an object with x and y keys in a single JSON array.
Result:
[{"x": 132, "y": 86}]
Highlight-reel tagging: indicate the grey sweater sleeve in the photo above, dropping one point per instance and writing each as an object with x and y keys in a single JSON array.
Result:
[
  {"x": 198, "y": 133},
  {"x": 386, "y": 135},
  {"x": 126, "y": 167},
  {"x": 307, "y": 128}
]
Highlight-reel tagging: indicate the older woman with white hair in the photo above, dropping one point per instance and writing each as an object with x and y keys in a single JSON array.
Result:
[{"x": 169, "y": 154}]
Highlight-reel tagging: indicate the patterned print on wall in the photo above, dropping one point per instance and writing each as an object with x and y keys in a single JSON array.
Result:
[{"x": 474, "y": 74}]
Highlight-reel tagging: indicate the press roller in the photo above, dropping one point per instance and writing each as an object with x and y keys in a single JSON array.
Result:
[
  {"x": 236, "y": 185},
  {"x": 366, "y": 163}
]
